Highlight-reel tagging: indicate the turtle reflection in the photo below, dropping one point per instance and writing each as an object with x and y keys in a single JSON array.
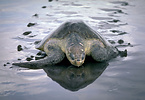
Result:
[{"x": 74, "y": 78}]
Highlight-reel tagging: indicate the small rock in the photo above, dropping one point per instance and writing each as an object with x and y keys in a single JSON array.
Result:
[
  {"x": 50, "y": 0},
  {"x": 119, "y": 11},
  {"x": 129, "y": 44},
  {"x": 32, "y": 56},
  {"x": 125, "y": 4},
  {"x": 35, "y": 15},
  {"x": 123, "y": 53},
  {"x": 43, "y": 6},
  {"x": 31, "y": 24},
  {"x": 111, "y": 41},
  {"x": 29, "y": 59},
  {"x": 27, "y": 32},
  {"x": 19, "y": 48},
  {"x": 5, "y": 65},
  {"x": 39, "y": 53},
  {"x": 19, "y": 59},
  {"x": 120, "y": 41},
  {"x": 36, "y": 42},
  {"x": 115, "y": 31},
  {"x": 8, "y": 62},
  {"x": 115, "y": 21}
]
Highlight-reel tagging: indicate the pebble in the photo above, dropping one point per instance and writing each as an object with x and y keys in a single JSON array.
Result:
[
  {"x": 8, "y": 62},
  {"x": 31, "y": 24},
  {"x": 39, "y": 53},
  {"x": 5, "y": 65},
  {"x": 19, "y": 59},
  {"x": 115, "y": 31},
  {"x": 19, "y": 48},
  {"x": 120, "y": 41},
  {"x": 50, "y": 0},
  {"x": 43, "y": 6},
  {"x": 111, "y": 41},
  {"x": 36, "y": 42},
  {"x": 27, "y": 32},
  {"x": 123, "y": 53},
  {"x": 29, "y": 59},
  {"x": 124, "y": 4},
  {"x": 35, "y": 15},
  {"x": 115, "y": 21}
]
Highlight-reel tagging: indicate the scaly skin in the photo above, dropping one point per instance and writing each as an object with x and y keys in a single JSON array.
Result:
[{"x": 54, "y": 56}]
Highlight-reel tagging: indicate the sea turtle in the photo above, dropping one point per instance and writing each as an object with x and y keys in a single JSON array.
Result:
[{"x": 75, "y": 39}]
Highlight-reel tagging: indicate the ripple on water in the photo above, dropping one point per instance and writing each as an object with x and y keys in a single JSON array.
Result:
[{"x": 123, "y": 76}]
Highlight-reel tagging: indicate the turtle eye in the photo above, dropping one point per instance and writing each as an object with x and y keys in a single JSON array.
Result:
[{"x": 72, "y": 56}]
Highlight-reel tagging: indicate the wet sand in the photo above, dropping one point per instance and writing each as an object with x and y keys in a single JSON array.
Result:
[{"x": 24, "y": 23}]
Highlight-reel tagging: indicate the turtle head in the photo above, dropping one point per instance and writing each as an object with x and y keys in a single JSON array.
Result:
[{"x": 76, "y": 54}]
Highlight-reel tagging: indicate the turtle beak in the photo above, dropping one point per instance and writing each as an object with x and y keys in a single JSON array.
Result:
[
  {"x": 77, "y": 63},
  {"x": 76, "y": 59}
]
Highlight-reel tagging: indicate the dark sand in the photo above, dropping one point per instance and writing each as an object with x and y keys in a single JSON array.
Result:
[{"x": 25, "y": 22}]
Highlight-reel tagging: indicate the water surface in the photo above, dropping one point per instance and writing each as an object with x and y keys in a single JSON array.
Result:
[{"x": 120, "y": 22}]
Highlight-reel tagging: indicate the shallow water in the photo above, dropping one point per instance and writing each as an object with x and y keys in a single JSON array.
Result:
[{"x": 120, "y": 78}]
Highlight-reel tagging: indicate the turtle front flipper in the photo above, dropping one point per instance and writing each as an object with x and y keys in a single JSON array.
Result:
[
  {"x": 101, "y": 52},
  {"x": 55, "y": 56}
]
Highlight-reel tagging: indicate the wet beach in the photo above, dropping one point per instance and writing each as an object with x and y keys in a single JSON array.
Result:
[{"x": 25, "y": 23}]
